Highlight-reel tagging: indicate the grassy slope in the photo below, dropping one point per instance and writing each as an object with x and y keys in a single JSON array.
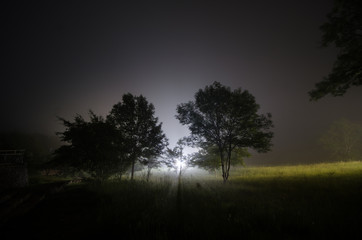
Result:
[{"x": 305, "y": 202}]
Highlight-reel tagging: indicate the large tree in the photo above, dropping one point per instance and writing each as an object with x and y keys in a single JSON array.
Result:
[
  {"x": 344, "y": 29},
  {"x": 92, "y": 146},
  {"x": 135, "y": 121},
  {"x": 227, "y": 120}
]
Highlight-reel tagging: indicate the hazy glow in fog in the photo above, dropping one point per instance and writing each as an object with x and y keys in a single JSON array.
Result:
[
  {"x": 180, "y": 164},
  {"x": 189, "y": 150}
]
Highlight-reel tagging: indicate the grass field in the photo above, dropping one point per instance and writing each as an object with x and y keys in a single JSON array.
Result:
[{"x": 293, "y": 202}]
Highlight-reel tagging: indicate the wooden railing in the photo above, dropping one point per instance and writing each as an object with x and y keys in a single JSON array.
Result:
[{"x": 11, "y": 157}]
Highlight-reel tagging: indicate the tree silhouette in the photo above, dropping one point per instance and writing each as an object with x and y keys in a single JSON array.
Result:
[
  {"x": 209, "y": 159},
  {"x": 150, "y": 163},
  {"x": 227, "y": 120},
  {"x": 175, "y": 158},
  {"x": 92, "y": 146},
  {"x": 138, "y": 127},
  {"x": 344, "y": 29}
]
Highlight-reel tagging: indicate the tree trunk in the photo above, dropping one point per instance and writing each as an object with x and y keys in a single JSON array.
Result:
[
  {"x": 132, "y": 173},
  {"x": 148, "y": 173},
  {"x": 179, "y": 174},
  {"x": 222, "y": 164}
]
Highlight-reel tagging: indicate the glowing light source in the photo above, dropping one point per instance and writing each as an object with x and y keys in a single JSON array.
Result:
[{"x": 180, "y": 164}]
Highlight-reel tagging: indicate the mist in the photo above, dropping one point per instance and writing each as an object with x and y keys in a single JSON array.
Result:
[{"x": 67, "y": 59}]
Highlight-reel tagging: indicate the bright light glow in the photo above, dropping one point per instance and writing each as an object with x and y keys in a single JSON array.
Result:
[{"x": 180, "y": 165}]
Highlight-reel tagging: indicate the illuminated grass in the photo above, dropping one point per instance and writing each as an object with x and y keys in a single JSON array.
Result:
[
  {"x": 312, "y": 170},
  {"x": 288, "y": 202}
]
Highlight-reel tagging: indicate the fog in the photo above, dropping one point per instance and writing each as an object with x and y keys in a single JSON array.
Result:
[{"x": 66, "y": 59}]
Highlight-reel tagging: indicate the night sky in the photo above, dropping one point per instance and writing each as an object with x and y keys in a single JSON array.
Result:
[{"x": 66, "y": 58}]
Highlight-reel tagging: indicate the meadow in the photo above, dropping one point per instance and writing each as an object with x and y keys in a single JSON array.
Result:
[{"x": 317, "y": 201}]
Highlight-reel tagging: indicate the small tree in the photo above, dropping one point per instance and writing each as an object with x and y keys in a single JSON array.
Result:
[
  {"x": 344, "y": 140},
  {"x": 227, "y": 120},
  {"x": 150, "y": 163},
  {"x": 136, "y": 124},
  {"x": 175, "y": 158},
  {"x": 92, "y": 147}
]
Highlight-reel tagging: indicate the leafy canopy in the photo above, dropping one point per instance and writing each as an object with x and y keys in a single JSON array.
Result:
[
  {"x": 130, "y": 133},
  {"x": 92, "y": 146},
  {"x": 222, "y": 117},
  {"x": 344, "y": 29},
  {"x": 227, "y": 120},
  {"x": 175, "y": 158},
  {"x": 134, "y": 120},
  {"x": 209, "y": 159}
]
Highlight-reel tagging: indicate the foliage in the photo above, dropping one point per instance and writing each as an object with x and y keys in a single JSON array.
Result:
[
  {"x": 227, "y": 120},
  {"x": 209, "y": 159},
  {"x": 344, "y": 29},
  {"x": 150, "y": 163},
  {"x": 104, "y": 147},
  {"x": 175, "y": 158},
  {"x": 344, "y": 140},
  {"x": 92, "y": 146},
  {"x": 136, "y": 124}
]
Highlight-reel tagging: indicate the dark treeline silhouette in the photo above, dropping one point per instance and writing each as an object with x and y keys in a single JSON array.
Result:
[
  {"x": 104, "y": 147},
  {"x": 222, "y": 122}
]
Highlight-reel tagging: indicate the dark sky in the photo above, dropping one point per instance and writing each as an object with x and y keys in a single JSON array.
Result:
[{"x": 63, "y": 58}]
